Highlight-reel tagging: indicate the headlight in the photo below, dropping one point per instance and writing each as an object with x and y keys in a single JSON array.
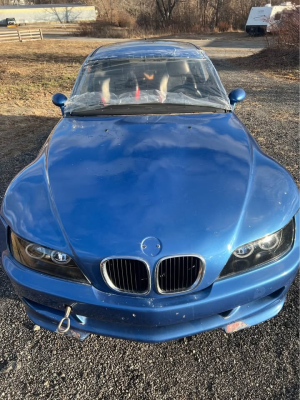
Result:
[
  {"x": 261, "y": 251},
  {"x": 45, "y": 260}
]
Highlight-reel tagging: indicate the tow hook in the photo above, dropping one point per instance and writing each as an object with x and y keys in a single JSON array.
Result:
[{"x": 66, "y": 318}]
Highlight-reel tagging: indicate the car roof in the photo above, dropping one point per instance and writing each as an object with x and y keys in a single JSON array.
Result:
[{"x": 148, "y": 49}]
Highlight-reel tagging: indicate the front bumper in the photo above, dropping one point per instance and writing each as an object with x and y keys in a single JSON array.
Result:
[{"x": 245, "y": 299}]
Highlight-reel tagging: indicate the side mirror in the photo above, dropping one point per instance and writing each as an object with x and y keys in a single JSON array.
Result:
[
  {"x": 59, "y": 100},
  {"x": 236, "y": 96}
]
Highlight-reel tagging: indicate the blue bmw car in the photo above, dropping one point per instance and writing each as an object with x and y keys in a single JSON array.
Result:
[{"x": 150, "y": 213}]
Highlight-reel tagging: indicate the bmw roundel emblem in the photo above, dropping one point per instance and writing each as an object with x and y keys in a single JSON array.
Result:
[{"x": 151, "y": 246}]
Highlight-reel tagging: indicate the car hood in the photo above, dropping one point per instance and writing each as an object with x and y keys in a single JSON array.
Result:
[
  {"x": 118, "y": 180},
  {"x": 198, "y": 183}
]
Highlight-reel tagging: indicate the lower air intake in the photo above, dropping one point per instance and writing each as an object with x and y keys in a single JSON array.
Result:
[
  {"x": 178, "y": 274},
  {"x": 126, "y": 275}
]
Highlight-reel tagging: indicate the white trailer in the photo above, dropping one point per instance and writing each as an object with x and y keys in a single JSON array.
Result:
[
  {"x": 48, "y": 13},
  {"x": 261, "y": 19}
]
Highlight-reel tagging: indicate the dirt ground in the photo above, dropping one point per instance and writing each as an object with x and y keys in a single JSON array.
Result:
[
  {"x": 257, "y": 363},
  {"x": 276, "y": 62}
]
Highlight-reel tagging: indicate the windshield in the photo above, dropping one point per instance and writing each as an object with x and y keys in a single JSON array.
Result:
[{"x": 109, "y": 83}]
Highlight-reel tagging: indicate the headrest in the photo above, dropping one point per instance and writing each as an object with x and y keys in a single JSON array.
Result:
[{"x": 178, "y": 68}]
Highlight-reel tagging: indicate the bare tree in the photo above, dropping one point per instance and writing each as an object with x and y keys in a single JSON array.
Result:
[
  {"x": 203, "y": 7},
  {"x": 176, "y": 15},
  {"x": 166, "y": 8}
]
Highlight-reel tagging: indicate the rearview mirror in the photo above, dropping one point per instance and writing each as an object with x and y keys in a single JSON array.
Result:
[
  {"x": 59, "y": 100},
  {"x": 236, "y": 96}
]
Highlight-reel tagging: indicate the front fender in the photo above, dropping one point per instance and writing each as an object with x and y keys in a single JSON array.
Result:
[
  {"x": 28, "y": 208},
  {"x": 271, "y": 201}
]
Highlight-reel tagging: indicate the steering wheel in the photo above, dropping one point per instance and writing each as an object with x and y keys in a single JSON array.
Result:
[{"x": 185, "y": 90}]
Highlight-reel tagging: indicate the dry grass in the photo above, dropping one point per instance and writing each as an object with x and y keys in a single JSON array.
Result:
[{"x": 30, "y": 73}]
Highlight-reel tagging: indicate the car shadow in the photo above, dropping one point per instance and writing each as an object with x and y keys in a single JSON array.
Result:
[{"x": 22, "y": 136}]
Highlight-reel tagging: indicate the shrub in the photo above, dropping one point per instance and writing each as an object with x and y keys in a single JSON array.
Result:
[
  {"x": 224, "y": 26},
  {"x": 125, "y": 20},
  {"x": 286, "y": 30},
  {"x": 104, "y": 30},
  {"x": 146, "y": 20}
]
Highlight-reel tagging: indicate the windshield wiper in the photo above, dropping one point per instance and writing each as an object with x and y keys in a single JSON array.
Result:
[{"x": 149, "y": 108}]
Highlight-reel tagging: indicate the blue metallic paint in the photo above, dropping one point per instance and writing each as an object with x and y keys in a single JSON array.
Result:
[
  {"x": 198, "y": 183},
  {"x": 254, "y": 297},
  {"x": 59, "y": 99},
  {"x": 236, "y": 96}
]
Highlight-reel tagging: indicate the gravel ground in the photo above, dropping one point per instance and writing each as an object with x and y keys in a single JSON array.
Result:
[{"x": 257, "y": 363}]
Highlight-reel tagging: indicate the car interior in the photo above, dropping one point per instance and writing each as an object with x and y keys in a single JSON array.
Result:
[{"x": 121, "y": 77}]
